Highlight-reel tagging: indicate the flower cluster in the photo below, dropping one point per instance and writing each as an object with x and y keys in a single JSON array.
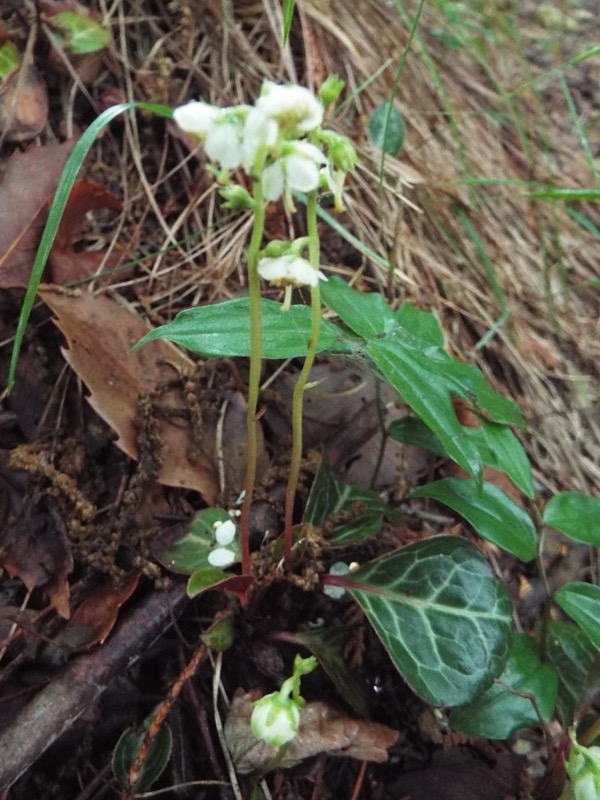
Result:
[
  {"x": 279, "y": 140},
  {"x": 226, "y": 552}
]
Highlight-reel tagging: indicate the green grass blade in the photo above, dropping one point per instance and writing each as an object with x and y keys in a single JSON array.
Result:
[
  {"x": 65, "y": 185},
  {"x": 288, "y": 13}
]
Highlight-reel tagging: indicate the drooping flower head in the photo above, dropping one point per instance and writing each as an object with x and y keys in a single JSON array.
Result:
[{"x": 294, "y": 108}]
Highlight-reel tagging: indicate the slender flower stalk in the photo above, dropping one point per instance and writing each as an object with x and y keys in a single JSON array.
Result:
[
  {"x": 255, "y": 368},
  {"x": 301, "y": 383}
]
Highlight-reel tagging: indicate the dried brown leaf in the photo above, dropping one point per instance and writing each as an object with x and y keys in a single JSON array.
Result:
[
  {"x": 27, "y": 185},
  {"x": 100, "y": 332},
  {"x": 322, "y": 729}
]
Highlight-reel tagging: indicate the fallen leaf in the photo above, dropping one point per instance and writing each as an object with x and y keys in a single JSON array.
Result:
[
  {"x": 28, "y": 183},
  {"x": 95, "y": 617},
  {"x": 322, "y": 729},
  {"x": 67, "y": 265},
  {"x": 100, "y": 332},
  {"x": 23, "y": 105}
]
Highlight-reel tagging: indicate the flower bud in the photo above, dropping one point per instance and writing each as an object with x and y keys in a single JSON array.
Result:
[
  {"x": 275, "y": 719},
  {"x": 331, "y": 89},
  {"x": 342, "y": 153},
  {"x": 236, "y": 198}
]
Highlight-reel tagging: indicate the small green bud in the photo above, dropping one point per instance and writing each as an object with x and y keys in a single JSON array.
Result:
[
  {"x": 275, "y": 719},
  {"x": 276, "y": 249},
  {"x": 236, "y": 198},
  {"x": 342, "y": 153},
  {"x": 331, "y": 89}
]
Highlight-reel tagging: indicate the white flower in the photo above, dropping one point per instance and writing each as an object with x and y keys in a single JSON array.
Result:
[
  {"x": 334, "y": 179},
  {"x": 583, "y": 769},
  {"x": 222, "y": 557},
  {"x": 298, "y": 168},
  {"x": 275, "y": 719},
  {"x": 225, "y": 532},
  {"x": 196, "y": 117},
  {"x": 295, "y": 108},
  {"x": 260, "y": 132},
  {"x": 289, "y": 270}
]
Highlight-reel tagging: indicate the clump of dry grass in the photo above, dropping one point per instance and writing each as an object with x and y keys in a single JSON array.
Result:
[{"x": 473, "y": 249}]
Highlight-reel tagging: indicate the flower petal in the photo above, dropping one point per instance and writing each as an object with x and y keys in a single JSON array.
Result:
[
  {"x": 294, "y": 107},
  {"x": 221, "y": 557},
  {"x": 224, "y": 145},
  {"x": 196, "y": 117},
  {"x": 273, "y": 181},
  {"x": 225, "y": 532}
]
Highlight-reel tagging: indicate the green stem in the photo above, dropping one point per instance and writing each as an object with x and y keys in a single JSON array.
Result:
[
  {"x": 255, "y": 368},
  {"x": 301, "y": 384}
]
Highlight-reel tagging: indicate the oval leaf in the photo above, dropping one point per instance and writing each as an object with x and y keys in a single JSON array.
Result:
[
  {"x": 366, "y": 313},
  {"x": 386, "y": 129},
  {"x": 490, "y": 511},
  {"x": 576, "y": 515},
  {"x": 577, "y": 663},
  {"x": 440, "y": 613},
  {"x": 498, "y": 712},
  {"x": 191, "y": 552},
  {"x": 582, "y": 602},
  {"x": 222, "y": 330},
  {"x": 158, "y": 757}
]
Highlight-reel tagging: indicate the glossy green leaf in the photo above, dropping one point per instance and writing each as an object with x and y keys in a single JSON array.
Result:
[
  {"x": 205, "y": 578},
  {"x": 577, "y": 663},
  {"x": 158, "y": 757},
  {"x": 422, "y": 325},
  {"x": 490, "y": 511},
  {"x": 413, "y": 431},
  {"x": 191, "y": 552},
  {"x": 497, "y": 713},
  {"x": 10, "y": 60},
  {"x": 410, "y": 373},
  {"x": 386, "y": 129},
  {"x": 328, "y": 644},
  {"x": 442, "y": 616},
  {"x": 223, "y": 330},
  {"x": 82, "y": 33},
  {"x": 497, "y": 446},
  {"x": 575, "y": 514},
  {"x": 365, "y": 313},
  {"x": 331, "y": 496},
  {"x": 581, "y": 601}
]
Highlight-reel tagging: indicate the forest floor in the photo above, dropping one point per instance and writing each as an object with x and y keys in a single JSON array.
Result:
[{"x": 106, "y": 456}]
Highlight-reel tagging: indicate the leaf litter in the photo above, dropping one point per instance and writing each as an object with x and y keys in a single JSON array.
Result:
[{"x": 417, "y": 214}]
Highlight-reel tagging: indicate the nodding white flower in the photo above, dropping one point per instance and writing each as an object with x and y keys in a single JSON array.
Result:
[
  {"x": 295, "y": 108},
  {"x": 583, "y": 769},
  {"x": 275, "y": 719},
  {"x": 261, "y": 134},
  {"x": 222, "y": 557},
  {"x": 225, "y": 532},
  {"x": 298, "y": 168},
  {"x": 196, "y": 117},
  {"x": 289, "y": 270}
]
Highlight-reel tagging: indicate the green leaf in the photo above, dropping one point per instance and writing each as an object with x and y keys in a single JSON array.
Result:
[
  {"x": 575, "y": 514},
  {"x": 365, "y": 313},
  {"x": 442, "y": 616},
  {"x": 554, "y": 193},
  {"x": 328, "y": 644},
  {"x": 221, "y": 634},
  {"x": 158, "y": 757},
  {"x": 422, "y": 325},
  {"x": 205, "y": 578},
  {"x": 82, "y": 33},
  {"x": 411, "y": 375},
  {"x": 10, "y": 60},
  {"x": 331, "y": 496},
  {"x": 498, "y": 712},
  {"x": 191, "y": 552},
  {"x": 386, "y": 129},
  {"x": 223, "y": 330},
  {"x": 288, "y": 13},
  {"x": 582, "y": 602},
  {"x": 497, "y": 446},
  {"x": 489, "y": 510},
  {"x": 577, "y": 663}
]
